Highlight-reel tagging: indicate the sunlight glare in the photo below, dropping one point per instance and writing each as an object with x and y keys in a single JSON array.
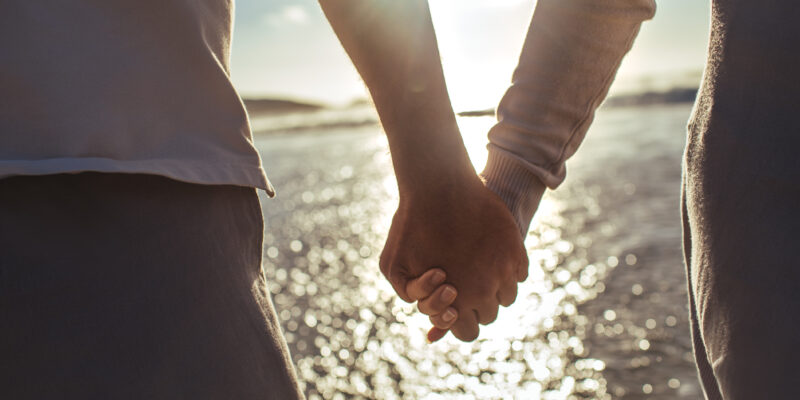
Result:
[{"x": 474, "y": 131}]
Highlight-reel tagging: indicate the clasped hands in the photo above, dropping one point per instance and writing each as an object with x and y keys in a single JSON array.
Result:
[{"x": 458, "y": 252}]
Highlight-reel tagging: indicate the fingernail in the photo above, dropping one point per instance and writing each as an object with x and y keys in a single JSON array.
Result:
[
  {"x": 448, "y": 294},
  {"x": 437, "y": 277},
  {"x": 448, "y": 315}
]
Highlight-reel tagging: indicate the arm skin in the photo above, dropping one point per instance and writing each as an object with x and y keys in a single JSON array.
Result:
[{"x": 446, "y": 217}]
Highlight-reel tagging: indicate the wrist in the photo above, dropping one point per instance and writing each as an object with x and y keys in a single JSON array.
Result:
[
  {"x": 440, "y": 182},
  {"x": 430, "y": 157}
]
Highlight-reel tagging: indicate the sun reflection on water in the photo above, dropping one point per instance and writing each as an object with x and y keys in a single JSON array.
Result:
[{"x": 351, "y": 337}]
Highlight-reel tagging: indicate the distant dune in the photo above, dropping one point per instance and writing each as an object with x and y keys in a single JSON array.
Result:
[
  {"x": 477, "y": 113},
  {"x": 278, "y": 106},
  {"x": 672, "y": 96},
  {"x": 280, "y": 115}
]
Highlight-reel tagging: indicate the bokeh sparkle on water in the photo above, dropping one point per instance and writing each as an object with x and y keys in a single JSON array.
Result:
[{"x": 602, "y": 315}]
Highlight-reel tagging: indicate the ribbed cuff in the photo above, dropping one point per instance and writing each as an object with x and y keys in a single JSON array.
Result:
[{"x": 519, "y": 188}]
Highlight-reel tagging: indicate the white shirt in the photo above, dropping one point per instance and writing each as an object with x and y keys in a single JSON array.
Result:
[{"x": 130, "y": 86}]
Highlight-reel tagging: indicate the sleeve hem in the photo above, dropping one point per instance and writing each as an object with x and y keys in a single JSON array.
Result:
[{"x": 515, "y": 184}]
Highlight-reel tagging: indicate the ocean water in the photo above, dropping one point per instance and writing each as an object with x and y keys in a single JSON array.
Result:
[{"x": 602, "y": 314}]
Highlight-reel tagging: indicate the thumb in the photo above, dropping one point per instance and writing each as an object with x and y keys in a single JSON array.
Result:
[{"x": 423, "y": 286}]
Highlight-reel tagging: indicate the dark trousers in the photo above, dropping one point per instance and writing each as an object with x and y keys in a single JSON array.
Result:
[{"x": 123, "y": 286}]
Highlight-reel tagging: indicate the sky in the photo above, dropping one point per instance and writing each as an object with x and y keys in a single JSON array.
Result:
[{"x": 285, "y": 48}]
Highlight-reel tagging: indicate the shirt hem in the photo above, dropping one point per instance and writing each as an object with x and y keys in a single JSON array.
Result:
[{"x": 204, "y": 173}]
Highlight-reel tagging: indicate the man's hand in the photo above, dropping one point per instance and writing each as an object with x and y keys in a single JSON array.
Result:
[{"x": 468, "y": 232}]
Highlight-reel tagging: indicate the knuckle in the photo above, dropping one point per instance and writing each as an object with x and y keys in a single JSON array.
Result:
[
  {"x": 387, "y": 264},
  {"x": 465, "y": 331},
  {"x": 432, "y": 305},
  {"x": 429, "y": 308},
  {"x": 425, "y": 308},
  {"x": 508, "y": 269},
  {"x": 439, "y": 306},
  {"x": 426, "y": 287},
  {"x": 383, "y": 263},
  {"x": 490, "y": 317},
  {"x": 466, "y": 336},
  {"x": 512, "y": 297},
  {"x": 524, "y": 261}
]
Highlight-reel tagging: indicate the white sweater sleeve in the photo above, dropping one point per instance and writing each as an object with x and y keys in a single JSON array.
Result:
[{"x": 569, "y": 59}]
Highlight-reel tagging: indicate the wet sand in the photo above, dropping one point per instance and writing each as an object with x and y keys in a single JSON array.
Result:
[{"x": 602, "y": 315}]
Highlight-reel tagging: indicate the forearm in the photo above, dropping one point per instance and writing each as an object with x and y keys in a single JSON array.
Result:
[
  {"x": 393, "y": 46},
  {"x": 569, "y": 60}
]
